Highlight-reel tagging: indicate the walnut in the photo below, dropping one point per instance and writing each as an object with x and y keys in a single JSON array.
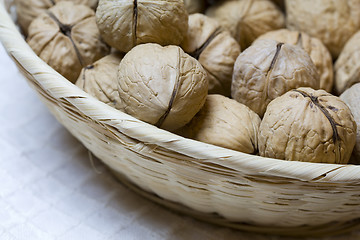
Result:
[
  {"x": 127, "y": 23},
  {"x": 100, "y": 80},
  {"x": 66, "y": 37},
  {"x": 352, "y": 98},
  {"x": 333, "y": 22},
  {"x": 163, "y": 86},
  {"x": 268, "y": 69},
  {"x": 308, "y": 125},
  {"x": 347, "y": 66},
  {"x": 247, "y": 19},
  {"x": 215, "y": 49},
  {"x": 194, "y": 6},
  {"x": 317, "y": 51},
  {"x": 28, "y": 10},
  {"x": 225, "y": 123}
]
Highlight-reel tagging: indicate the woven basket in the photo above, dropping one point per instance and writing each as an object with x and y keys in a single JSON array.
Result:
[{"x": 214, "y": 184}]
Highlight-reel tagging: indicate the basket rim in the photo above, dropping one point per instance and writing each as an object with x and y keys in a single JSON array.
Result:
[{"x": 54, "y": 83}]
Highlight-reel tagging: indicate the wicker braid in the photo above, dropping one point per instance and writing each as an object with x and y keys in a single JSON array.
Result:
[{"x": 211, "y": 183}]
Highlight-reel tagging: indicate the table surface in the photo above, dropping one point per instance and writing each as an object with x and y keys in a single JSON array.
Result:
[{"x": 50, "y": 189}]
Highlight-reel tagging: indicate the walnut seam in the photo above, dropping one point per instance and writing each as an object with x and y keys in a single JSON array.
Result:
[
  {"x": 268, "y": 73},
  {"x": 173, "y": 94},
  {"x": 66, "y": 30},
  {"x": 135, "y": 19},
  {"x": 196, "y": 54},
  {"x": 333, "y": 123}
]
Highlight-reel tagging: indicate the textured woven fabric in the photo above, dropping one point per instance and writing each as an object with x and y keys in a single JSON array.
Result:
[{"x": 50, "y": 189}]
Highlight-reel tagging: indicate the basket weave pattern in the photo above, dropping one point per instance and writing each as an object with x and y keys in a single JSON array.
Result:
[{"x": 216, "y": 184}]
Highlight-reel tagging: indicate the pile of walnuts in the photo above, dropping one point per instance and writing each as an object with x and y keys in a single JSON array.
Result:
[{"x": 280, "y": 79}]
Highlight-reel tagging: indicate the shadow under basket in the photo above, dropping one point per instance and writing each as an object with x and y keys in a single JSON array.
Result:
[{"x": 211, "y": 183}]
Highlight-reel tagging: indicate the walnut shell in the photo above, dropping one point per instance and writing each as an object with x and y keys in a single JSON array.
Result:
[
  {"x": 28, "y": 10},
  {"x": 163, "y": 86},
  {"x": 268, "y": 69},
  {"x": 100, "y": 80},
  {"x": 352, "y": 98},
  {"x": 347, "y": 66},
  {"x": 215, "y": 49},
  {"x": 225, "y": 123},
  {"x": 127, "y": 23},
  {"x": 247, "y": 19},
  {"x": 308, "y": 125},
  {"x": 317, "y": 51},
  {"x": 66, "y": 37},
  {"x": 333, "y": 22},
  {"x": 194, "y": 6}
]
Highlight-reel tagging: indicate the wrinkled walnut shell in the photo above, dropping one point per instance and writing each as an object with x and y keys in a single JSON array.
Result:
[
  {"x": 352, "y": 98},
  {"x": 225, "y": 123},
  {"x": 215, "y": 49},
  {"x": 333, "y": 22},
  {"x": 347, "y": 66},
  {"x": 308, "y": 125},
  {"x": 126, "y": 23},
  {"x": 66, "y": 37},
  {"x": 268, "y": 69},
  {"x": 28, "y": 10},
  {"x": 247, "y": 19},
  {"x": 163, "y": 86},
  {"x": 317, "y": 51},
  {"x": 100, "y": 80}
]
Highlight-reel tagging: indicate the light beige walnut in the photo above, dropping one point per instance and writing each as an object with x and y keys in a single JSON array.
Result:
[
  {"x": 127, "y": 23},
  {"x": 317, "y": 51},
  {"x": 332, "y": 21},
  {"x": 267, "y": 70},
  {"x": 215, "y": 49},
  {"x": 194, "y": 6},
  {"x": 28, "y": 10},
  {"x": 247, "y": 19},
  {"x": 352, "y": 98},
  {"x": 347, "y": 66},
  {"x": 308, "y": 125},
  {"x": 163, "y": 86},
  {"x": 66, "y": 37},
  {"x": 100, "y": 80},
  {"x": 225, "y": 123}
]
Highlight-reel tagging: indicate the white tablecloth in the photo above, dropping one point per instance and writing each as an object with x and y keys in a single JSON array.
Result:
[{"x": 49, "y": 188}]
